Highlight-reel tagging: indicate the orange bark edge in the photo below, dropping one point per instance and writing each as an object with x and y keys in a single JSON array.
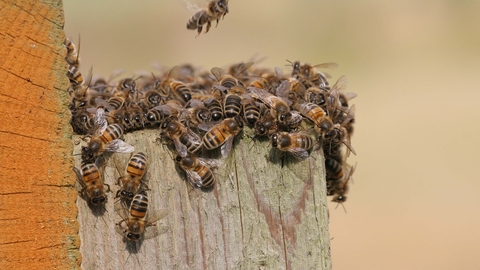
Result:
[{"x": 38, "y": 226}]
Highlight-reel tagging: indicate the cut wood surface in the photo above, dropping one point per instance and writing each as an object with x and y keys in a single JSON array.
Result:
[
  {"x": 259, "y": 215},
  {"x": 38, "y": 229}
]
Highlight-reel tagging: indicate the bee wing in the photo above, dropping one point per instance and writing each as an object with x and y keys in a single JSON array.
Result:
[
  {"x": 120, "y": 228},
  {"x": 119, "y": 146},
  {"x": 227, "y": 146},
  {"x": 279, "y": 72},
  {"x": 296, "y": 118},
  {"x": 99, "y": 122},
  {"x": 341, "y": 83},
  {"x": 180, "y": 147},
  {"x": 79, "y": 183},
  {"x": 243, "y": 67},
  {"x": 221, "y": 88},
  {"x": 217, "y": 72},
  {"x": 195, "y": 179},
  {"x": 208, "y": 125},
  {"x": 100, "y": 102},
  {"x": 299, "y": 153},
  {"x": 210, "y": 162},
  {"x": 347, "y": 143},
  {"x": 155, "y": 215},
  {"x": 330, "y": 65},
  {"x": 192, "y": 7},
  {"x": 195, "y": 103},
  {"x": 121, "y": 209},
  {"x": 115, "y": 74},
  {"x": 350, "y": 115},
  {"x": 154, "y": 231},
  {"x": 261, "y": 94},
  {"x": 283, "y": 89}
]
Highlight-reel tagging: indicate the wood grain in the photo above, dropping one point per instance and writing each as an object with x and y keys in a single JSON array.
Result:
[
  {"x": 258, "y": 216},
  {"x": 38, "y": 229}
]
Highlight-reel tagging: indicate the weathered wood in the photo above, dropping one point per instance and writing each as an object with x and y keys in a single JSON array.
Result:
[
  {"x": 38, "y": 229},
  {"x": 258, "y": 216}
]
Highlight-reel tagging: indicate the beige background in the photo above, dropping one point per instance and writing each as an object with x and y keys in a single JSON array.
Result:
[{"x": 415, "y": 66}]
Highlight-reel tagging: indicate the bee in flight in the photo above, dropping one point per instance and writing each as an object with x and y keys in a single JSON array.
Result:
[
  {"x": 214, "y": 10},
  {"x": 137, "y": 221}
]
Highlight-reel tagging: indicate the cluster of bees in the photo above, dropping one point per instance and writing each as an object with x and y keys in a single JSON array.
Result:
[{"x": 199, "y": 111}]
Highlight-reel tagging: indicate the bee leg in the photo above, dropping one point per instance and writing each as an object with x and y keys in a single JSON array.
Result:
[
  {"x": 199, "y": 30},
  {"x": 209, "y": 24},
  {"x": 108, "y": 187},
  {"x": 218, "y": 19}
]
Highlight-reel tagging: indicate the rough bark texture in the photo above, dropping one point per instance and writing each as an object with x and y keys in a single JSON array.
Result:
[
  {"x": 38, "y": 229},
  {"x": 258, "y": 216}
]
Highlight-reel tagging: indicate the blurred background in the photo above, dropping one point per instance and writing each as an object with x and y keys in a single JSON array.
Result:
[{"x": 415, "y": 66}]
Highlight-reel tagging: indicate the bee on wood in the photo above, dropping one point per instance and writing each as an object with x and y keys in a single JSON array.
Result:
[
  {"x": 138, "y": 222},
  {"x": 199, "y": 170}
]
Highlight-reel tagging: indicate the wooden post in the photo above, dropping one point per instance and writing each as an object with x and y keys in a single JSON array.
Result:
[
  {"x": 258, "y": 216},
  {"x": 38, "y": 229}
]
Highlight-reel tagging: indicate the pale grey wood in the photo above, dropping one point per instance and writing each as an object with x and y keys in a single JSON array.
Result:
[{"x": 258, "y": 216}]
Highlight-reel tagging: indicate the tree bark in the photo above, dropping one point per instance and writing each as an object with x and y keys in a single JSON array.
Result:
[
  {"x": 38, "y": 229},
  {"x": 259, "y": 215}
]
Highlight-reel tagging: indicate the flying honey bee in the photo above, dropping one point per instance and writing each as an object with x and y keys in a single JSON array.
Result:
[
  {"x": 185, "y": 140},
  {"x": 105, "y": 139},
  {"x": 137, "y": 220},
  {"x": 214, "y": 10},
  {"x": 222, "y": 134},
  {"x": 132, "y": 181},
  {"x": 279, "y": 107},
  {"x": 199, "y": 170},
  {"x": 296, "y": 144},
  {"x": 91, "y": 185}
]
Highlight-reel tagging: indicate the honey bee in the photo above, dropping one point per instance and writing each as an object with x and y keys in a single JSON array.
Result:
[
  {"x": 185, "y": 140},
  {"x": 341, "y": 187},
  {"x": 265, "y": 126},
  {"x": 199, "y": 170},
  {"x": 316, "y": 95},
  {"x": 340, "y": 134},
  {"x": 214, "y": 10},
  {"x": 251, "y": 110},
  {"x": 227, "y": 80},
  {"x": 153, "y": 118},
  {"x": 91, "y": 185},
  {"x": 315, "y": 114},
  {"x": 73, "y": 55},
  {"x": 296, "y": 144},
  {"x": 309, "y": 75},
  {"x": 196, "y": 113},
  {"x": 279, "y": 108},
  {"x": 222, "y": 135},
  {"x": 171, "y": 108},
  {"x": 215, "y": 107},
  {"x": 105, "y": 139},
  {"x": 151, "y": 99},
  {"x": 82, "y": 121},
  {"x": 232, "y": 105},
  {"x": 268, "y": 81},
  {"x": 131, "y": 182},
  {"x": 133, "y": 118},
  {"x": 137, "y": 221},
  {"x": 174, "y": 88}
]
